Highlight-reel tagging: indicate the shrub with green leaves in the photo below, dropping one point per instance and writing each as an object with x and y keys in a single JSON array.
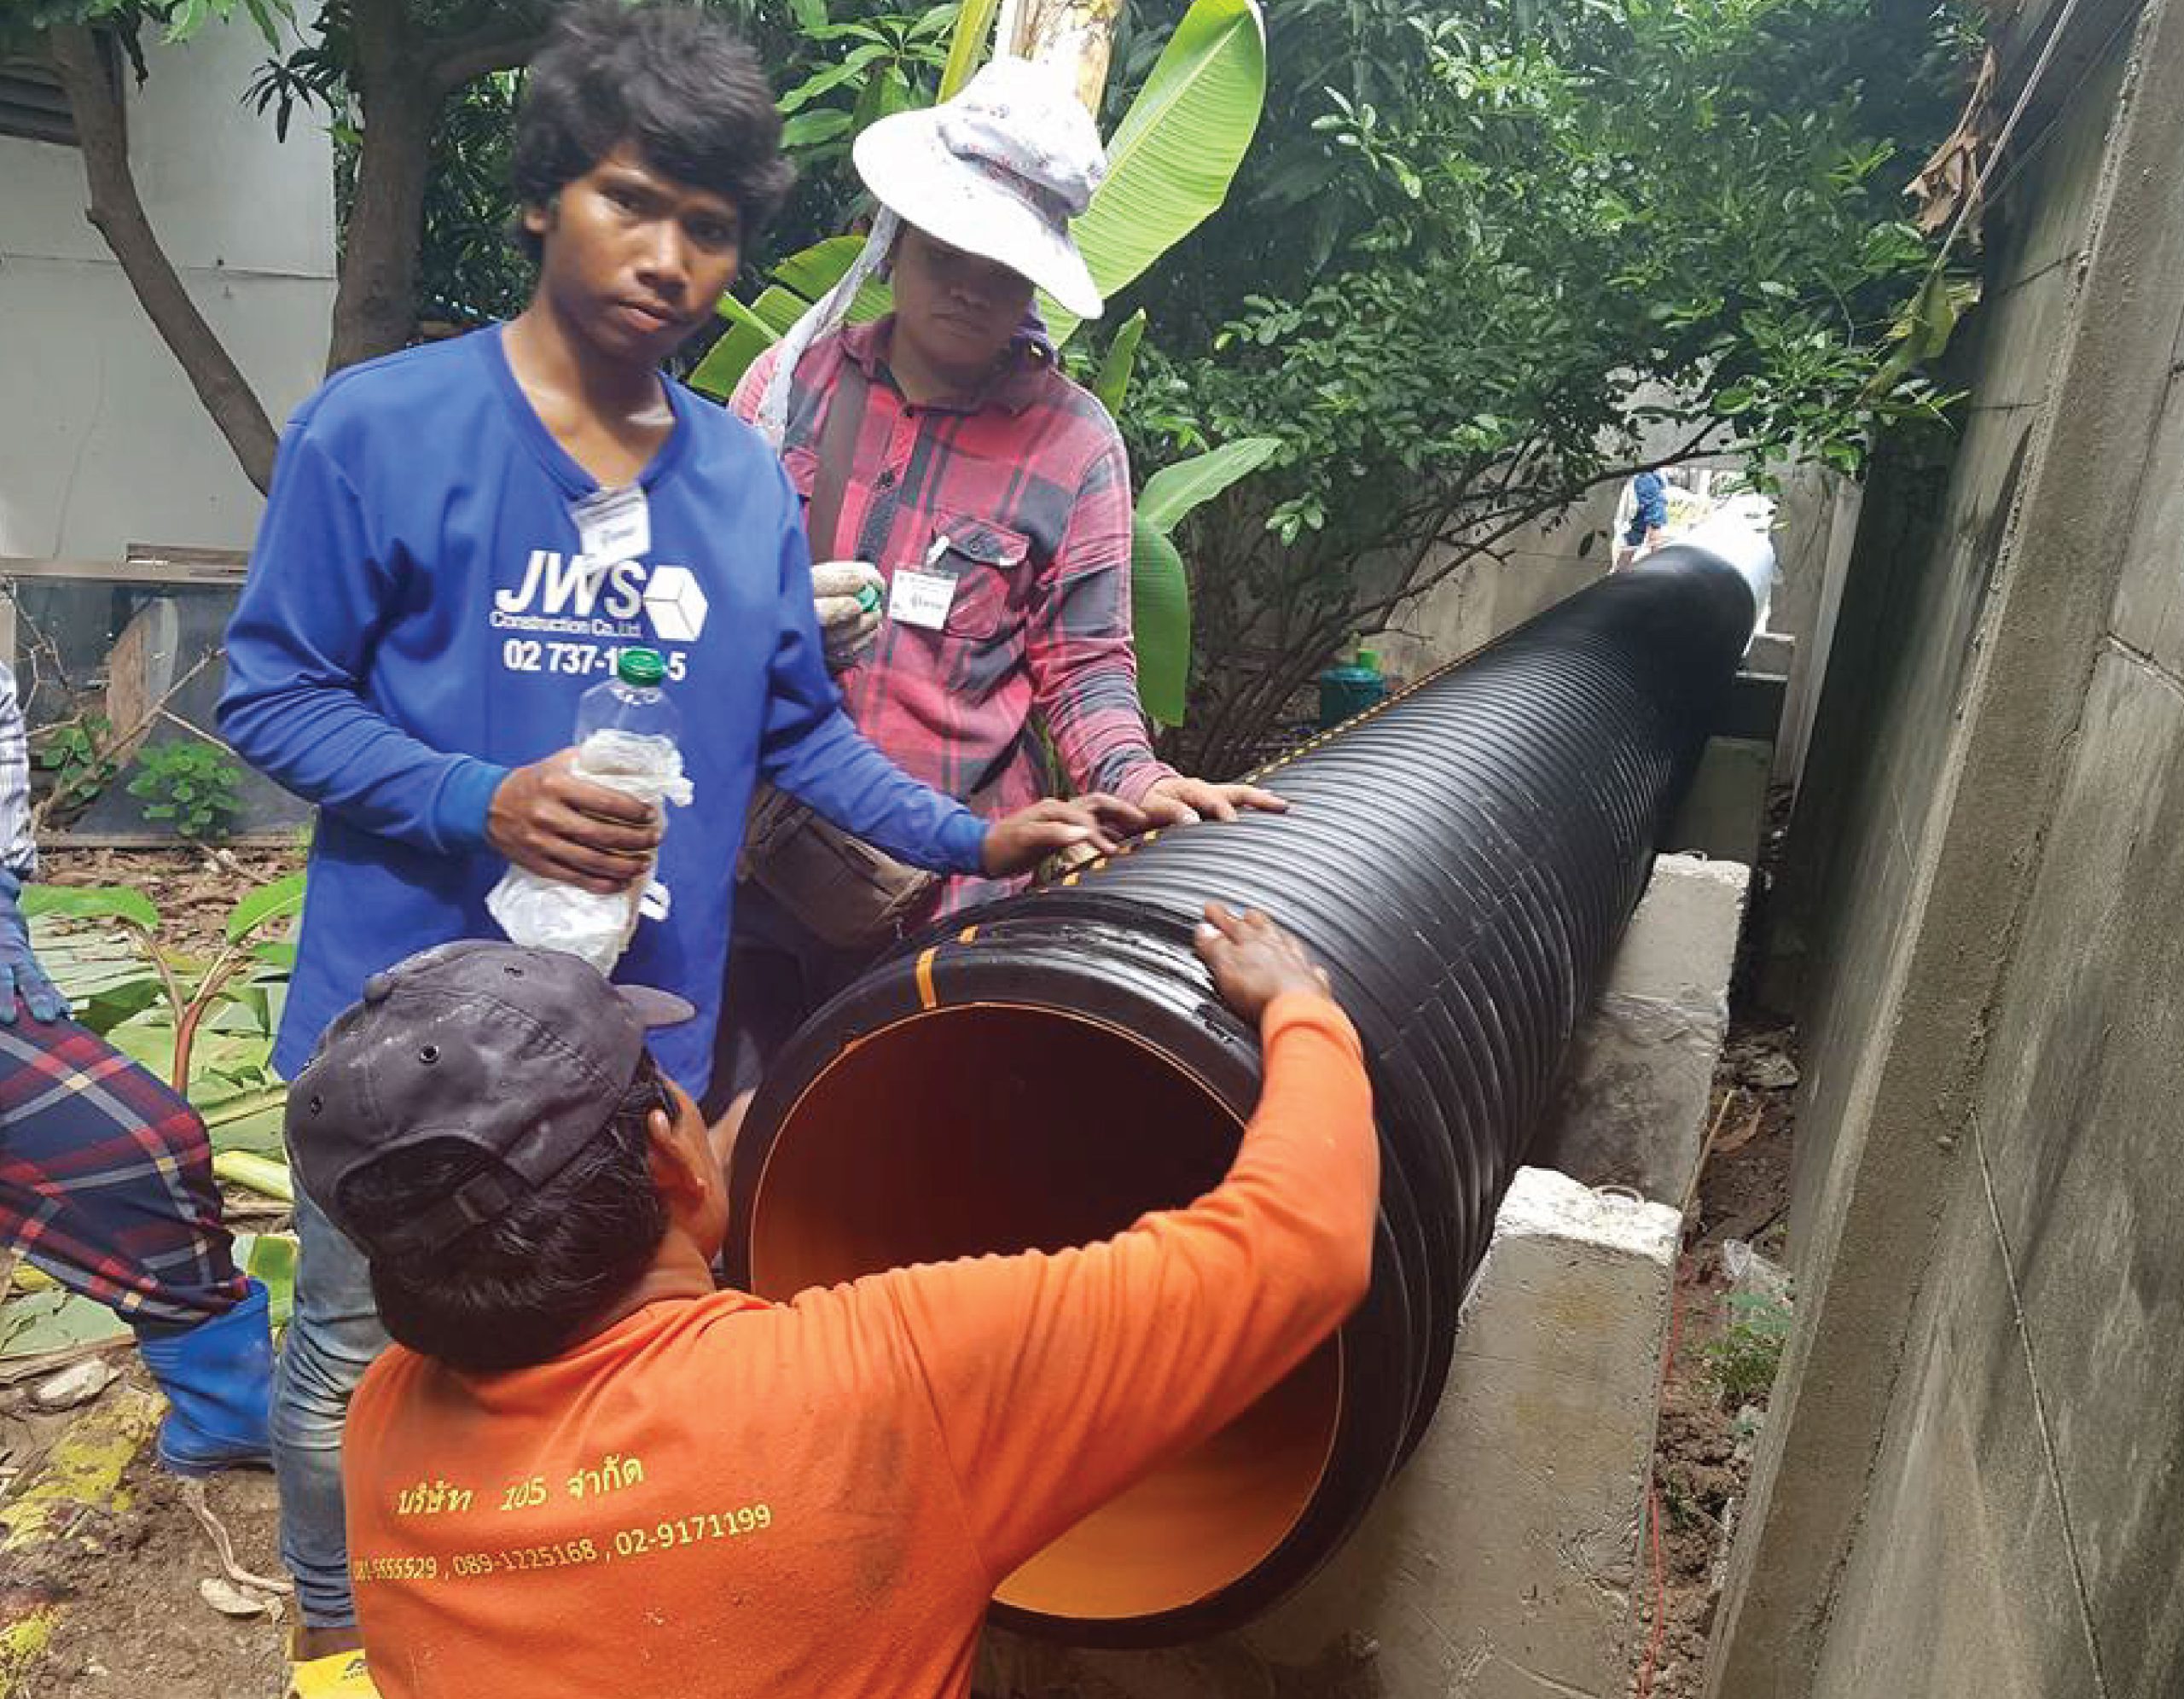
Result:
[
  {"x": 1487, "y": 256},
  {"x": 74, "y": 754},
  {"x": 191, "y": 787},
  {"x": 1742, "y": 1363}
]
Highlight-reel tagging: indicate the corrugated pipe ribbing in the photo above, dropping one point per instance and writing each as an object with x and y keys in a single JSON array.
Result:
[{"x": 1462, "y": 859}]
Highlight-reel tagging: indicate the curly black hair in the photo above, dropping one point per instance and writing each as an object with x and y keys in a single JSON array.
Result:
[{"x": 674, "y": 79}]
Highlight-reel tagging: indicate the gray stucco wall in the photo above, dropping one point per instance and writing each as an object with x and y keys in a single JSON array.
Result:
[
  {"x": 102, "y": 441},
  {"x": 1970, "y": 1482}
]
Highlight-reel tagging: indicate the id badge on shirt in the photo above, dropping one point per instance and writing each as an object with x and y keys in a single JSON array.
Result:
[
  {"x": 918, "y": 596},
  {"x": 613, "y": 525}
]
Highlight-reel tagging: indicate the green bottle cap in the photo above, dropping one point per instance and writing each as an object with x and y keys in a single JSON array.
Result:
[
  {"x": 640, "y": 667},
  {"x": 867, "y": 597}
]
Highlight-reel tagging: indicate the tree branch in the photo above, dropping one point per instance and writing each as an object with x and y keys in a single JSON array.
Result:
[
  {"x": 505, "y": 43},
  {"x": 118, "y": 214}
]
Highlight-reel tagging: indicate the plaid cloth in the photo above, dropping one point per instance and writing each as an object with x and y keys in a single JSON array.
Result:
[
  {"x": 106, "y": 1179},
  {"x": 18, "y": 849},
  {"x": 1030, "y": 489}
]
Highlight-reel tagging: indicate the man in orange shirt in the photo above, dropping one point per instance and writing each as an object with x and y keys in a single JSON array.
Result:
[{"x": 584, "y": 1470}]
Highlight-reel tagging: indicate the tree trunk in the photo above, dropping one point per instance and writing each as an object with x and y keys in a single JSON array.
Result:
[
  {"x": 375, "y": 309},
  {"x": 1077, "y": 35},
  {"x": 118, "y": 214}
]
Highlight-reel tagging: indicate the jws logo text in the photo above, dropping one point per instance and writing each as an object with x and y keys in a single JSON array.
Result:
[{"x": 601, "y": 598}]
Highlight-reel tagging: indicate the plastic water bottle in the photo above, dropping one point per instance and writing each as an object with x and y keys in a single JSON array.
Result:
[
  {"x": 626, "y": 733},
  {"x": 632, "y": 704}
]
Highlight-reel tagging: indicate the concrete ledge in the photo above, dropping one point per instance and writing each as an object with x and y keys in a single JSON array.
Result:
[
  {"x": 1500, "y": 1564},
  {"x": 1725, "y": 809},
  {"x": 1631, "y": 1109}
]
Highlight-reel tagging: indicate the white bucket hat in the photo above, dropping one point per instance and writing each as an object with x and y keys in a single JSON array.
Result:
[{"x": 998, "y": 172}]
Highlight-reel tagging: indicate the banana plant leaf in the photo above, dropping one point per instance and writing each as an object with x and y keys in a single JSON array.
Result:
[
  {"x": 249, "y": 1123},
  {"x": 1172, "y": 158},
  {"x": 1112, "y": 384},
  {"x": 38, "y": 1324},
  {"x": 967, "y": 45},
  {"x": 755, "y": 327},
  {"x": 283, "y": 899},
  {"x": 1173, "y": 491},
  {"x": 270, "y": 1260},
  {"x": 89, "y": 902},
  {"x": 1160, "y": 620}
]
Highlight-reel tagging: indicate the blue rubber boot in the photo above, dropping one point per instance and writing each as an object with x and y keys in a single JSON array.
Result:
[{"x": 219, "y": 1380}]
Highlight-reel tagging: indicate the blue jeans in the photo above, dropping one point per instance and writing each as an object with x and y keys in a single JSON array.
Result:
[{"x": 332, "y": 1338}]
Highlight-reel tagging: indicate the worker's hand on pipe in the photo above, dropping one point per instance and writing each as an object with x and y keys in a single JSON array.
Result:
[
  {"x": 1181, "y": 801},
  {"x": 1016, "y": 843},
  {"x": 1254, "y": 960},
  {"x": 545, "y": 818}
]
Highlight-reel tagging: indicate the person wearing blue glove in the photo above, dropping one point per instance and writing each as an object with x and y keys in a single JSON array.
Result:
[{"x": 105, "y": 1182}]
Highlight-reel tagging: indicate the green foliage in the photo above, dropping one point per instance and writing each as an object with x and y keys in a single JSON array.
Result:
[
  {"x": 1742, "y": 1363},
  {"x": 74, "y": 752},
  {"x": 205, "y": 1025},
  {"x": 1171, "y": 159},
  {"x": 1160, "y": 591},
  {"x": 191, "y": 786},
  {"x": 1492, "y": 257},
  {"x": 468, "y": 270},
  {"x": 967, "y": 45},
  {"x": 1111, "y": 385},
  {"x": 874, "y": 65},
  {"x": 1174, "y": 492},
  {"x": 177, "y": 20}
]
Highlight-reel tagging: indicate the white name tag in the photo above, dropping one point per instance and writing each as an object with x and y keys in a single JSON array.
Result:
[
  {"x": 920, "y": 599},
  {"x": 614, "y": 525}
]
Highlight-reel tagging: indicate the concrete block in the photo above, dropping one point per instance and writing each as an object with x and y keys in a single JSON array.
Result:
[
  {"x": 1500, "y": 1563},
  {"x": 1631, "y": 1109},
  {"x": 1771, "y": 653},
  {"x": 1725, "y": 809}
]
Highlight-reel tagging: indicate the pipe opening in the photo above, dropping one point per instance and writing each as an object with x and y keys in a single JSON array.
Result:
[{"x": 988, "y": 1128}]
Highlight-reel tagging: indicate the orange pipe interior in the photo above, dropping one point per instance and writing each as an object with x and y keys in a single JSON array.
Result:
[{"x": 964, "y": 1131}]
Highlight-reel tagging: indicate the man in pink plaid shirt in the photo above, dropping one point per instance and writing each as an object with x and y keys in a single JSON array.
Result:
[{"x": 985, "y": 515}]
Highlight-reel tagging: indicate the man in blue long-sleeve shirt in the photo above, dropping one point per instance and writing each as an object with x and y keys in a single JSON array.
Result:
[{"x": 459, "y": 541}]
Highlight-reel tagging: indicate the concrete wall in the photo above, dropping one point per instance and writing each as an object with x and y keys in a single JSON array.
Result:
[
  {"x": 102, "y": 441},
  {"x": 1969, "y": 1484},
  {"x": 1539, "y": 566}
]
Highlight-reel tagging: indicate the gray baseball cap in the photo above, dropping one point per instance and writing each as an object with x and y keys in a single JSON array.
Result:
[{"x": 522, "y": 1054}]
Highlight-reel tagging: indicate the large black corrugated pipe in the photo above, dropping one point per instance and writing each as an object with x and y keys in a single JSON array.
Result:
[{"x": 1461, "y": 858}]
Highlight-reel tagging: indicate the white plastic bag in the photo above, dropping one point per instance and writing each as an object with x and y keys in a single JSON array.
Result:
[{"x": 546, "y": 914}]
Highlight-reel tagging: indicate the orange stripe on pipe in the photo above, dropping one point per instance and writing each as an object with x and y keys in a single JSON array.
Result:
[{"x": 927, "y": 996}]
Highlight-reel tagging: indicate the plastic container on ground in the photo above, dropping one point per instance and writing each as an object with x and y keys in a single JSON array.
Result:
[{"x": 1348, "y": 691}]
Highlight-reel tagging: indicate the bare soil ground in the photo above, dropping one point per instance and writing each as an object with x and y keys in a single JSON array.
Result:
[
  {"x": 193, "y": 889},
  {"x": 137, "y": 1624},
  {"x": 1702, "y": 1461}
]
